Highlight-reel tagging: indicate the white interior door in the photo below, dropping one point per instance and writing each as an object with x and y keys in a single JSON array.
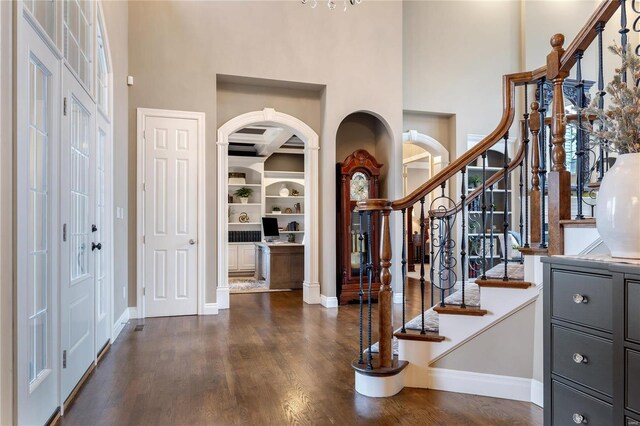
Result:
[
  {"x": 78, "y": 252},
  {"x": 170, "y": 216},
  {"x": 102, "y": 235},
  {"x": 37, "y": 235}
]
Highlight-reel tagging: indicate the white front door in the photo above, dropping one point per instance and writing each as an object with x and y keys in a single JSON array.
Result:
[
  {"x": 37, "y": 237},
  {"x": 79, "y": 246},
  {"x": 170, "y": 216}
]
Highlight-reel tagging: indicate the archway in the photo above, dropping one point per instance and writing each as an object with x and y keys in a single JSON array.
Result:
[{"x": 269, "y": 116}]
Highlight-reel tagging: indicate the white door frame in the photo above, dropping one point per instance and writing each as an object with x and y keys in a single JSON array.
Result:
[
  {"x": 311, "y": 284},
  {"x": 143, "y": 114}
]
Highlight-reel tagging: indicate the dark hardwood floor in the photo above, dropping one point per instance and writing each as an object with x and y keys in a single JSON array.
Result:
[{"x": 270, "y": 360}]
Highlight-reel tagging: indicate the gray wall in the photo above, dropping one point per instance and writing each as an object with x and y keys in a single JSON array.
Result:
[
  {"x": 177, "y": 50},
  {"x": 116, "y": 16},
  {"x": 505, "y": 349}
]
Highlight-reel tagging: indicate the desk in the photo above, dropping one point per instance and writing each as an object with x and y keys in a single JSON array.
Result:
[{"x": 280, "y": 265}]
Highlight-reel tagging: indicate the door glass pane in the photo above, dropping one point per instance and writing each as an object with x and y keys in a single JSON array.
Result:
[
  {"x": 103, "y": 81},
  {"x": 44, "y": 12},
  {"x": 38, "y": 217},
  {"x": 99, "y": 217},
  {"x": 79, "y": 226},
  {"x": 78, "y": 31}
]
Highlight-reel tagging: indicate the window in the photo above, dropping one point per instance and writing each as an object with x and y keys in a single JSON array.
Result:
[
  {"x": 78, "y": 38},
  {"x": 45, "y": 13},
  {"x": 102, "y": 82}
]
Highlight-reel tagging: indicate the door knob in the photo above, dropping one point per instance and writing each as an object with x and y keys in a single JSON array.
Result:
[
  {"x": 96, "y": 246},
  {"x": 192, "y": 241},
  {"x": 94, "y": 228}
]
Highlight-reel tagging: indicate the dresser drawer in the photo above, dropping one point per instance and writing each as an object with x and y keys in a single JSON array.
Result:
[
  {"x": 582, "y": 298},
  {"x": 582, "y": 358},
  {"x": 570, "y": 406},
  {"x": 632, "y": 372},
  {"x": 631, "y": 422},
  {"x": 633, "y": 311}
]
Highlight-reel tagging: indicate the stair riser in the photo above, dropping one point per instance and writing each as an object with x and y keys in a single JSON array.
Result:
[{"x": 533, "y": 269}]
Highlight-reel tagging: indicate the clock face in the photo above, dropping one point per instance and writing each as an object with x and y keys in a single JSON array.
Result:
[{"x": 359, "y": 186}]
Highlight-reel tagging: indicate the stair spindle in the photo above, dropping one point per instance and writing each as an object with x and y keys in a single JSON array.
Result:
[
  {"x": 623, "y": 34},
  {"x": 431, "y": 260},
  {"x": 543, "y": 159},
  {"x": 521, "y": 224},
  {"x": 484, "y": 216},
  {"x": 525, "y": 141},
  {"x": 580, "y": 149},
  {"x": 601, "y": 93},
  {"x": 422, "y": 249},
  {"x": 463, "y": 243},
  {"x": 492, "y": 207},
  {"x": 404, "y": 267},
  {"x": 505, "y": 223},
  {"x": 361, "y": 291},
  {"x": 370, "y": 279}
]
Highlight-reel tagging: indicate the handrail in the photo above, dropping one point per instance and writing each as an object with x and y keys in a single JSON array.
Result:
[
  {"x": 585, "y": 37},
  {"x": 495, "y": 178}
]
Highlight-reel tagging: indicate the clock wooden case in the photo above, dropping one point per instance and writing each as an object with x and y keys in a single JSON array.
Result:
[{"x": 358, "y": 178}]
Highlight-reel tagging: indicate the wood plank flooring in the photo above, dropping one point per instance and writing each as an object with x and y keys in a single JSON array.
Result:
[{"x": 270, "y": 360}]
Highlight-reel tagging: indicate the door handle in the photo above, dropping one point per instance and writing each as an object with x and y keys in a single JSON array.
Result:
[
  {"x": 96, "y": 246},
  {"x": 192, "y": 242}
]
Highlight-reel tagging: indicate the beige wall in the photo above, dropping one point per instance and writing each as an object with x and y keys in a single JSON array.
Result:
[
  {"x": 506, "y": 349},
  {"x": 177, "y": 50},
  {"x": 6, "y": 216},
  {"x": 288, "y": 162},
  {"x": 116, "y": 16}
]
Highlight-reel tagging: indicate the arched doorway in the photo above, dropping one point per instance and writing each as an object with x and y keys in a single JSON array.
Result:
[{"x": 271, "y": 117}]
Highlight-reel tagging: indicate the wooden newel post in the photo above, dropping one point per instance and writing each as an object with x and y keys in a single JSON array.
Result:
[
  {"x": 559, "y": 188},
  {"x": 385, "y": 296},
  {"x": 534, "y": 126}
]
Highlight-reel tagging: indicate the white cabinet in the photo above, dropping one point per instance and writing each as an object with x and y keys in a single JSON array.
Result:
[{"x": 242, "y": 257}]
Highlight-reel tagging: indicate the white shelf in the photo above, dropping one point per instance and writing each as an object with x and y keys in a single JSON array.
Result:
[
  {"x": 278, "y": 174},
  {"x": 291, "y": 232},
  {"x": 300, "y": 197},
  {"x": 245, "y": 204},
  {"x": 284, "y": 214},
  {"x": 247, "y": 223},
  {"x": 252, "y": 185}
]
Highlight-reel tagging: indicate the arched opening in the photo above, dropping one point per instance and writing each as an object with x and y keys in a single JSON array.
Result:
[{"x": 265, "y": 187}]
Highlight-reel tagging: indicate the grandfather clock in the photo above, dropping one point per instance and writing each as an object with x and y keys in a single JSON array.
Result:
[{"x": 358, "y": 178}]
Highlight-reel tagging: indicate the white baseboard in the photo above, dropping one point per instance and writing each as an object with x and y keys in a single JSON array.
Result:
[
  {"x": 398, "y": 298},
  {"x": 222, "y": 297},
  {"x": 311, "y": 293},
  {"x": 210, "y": 309},
  {"x": 119, "y": 325},
  {"x": 507, "y": 387},
  {"x": 133, "y": 313},
  {"x": 537, "y": 393},
  {"x": 328, "y": 302}
]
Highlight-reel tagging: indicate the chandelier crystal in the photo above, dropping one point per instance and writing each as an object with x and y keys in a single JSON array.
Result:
[{"x": 331, "y": 4}]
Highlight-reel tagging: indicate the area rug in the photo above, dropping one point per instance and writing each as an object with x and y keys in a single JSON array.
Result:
[{"x": 250, "y": 285}]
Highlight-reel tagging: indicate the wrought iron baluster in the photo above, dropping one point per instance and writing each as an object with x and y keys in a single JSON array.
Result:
[
  {"x": 404, "y": 267},
  {"x": 463, "y": 244},
  {"x": 422, "y": 249},
  {"x": 484, "y": 216},
  {"x": 361, "y": 291},
  {"x": 601, "y": 93},
  {"x": 542, "y": 172},
  {"x": 623, "y": 34},
  {"x": 580, "y": 149},
  {"x": 370, "y": 278},
  {"x": 432, "y": 262},
  {"x": 521, "y": 206},
  {"x": 505, "y": 223},
  {"x": 492, "y": 207},
  {"x": 525, "y": 141}
]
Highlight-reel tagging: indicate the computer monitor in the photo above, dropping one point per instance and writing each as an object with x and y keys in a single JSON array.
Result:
[{"x": 270, "y": 228}]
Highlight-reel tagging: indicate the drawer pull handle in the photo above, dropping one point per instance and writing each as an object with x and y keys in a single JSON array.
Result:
[
  {"x": 578, "y": 298},
  {"x": 579, "y": 419},
  {"x": 580, "y": 359}
]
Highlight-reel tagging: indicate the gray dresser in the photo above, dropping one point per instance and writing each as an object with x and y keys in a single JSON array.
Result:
[{"x": 591, "y": 342}]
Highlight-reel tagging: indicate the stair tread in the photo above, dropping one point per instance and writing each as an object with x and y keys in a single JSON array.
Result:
[
  {"x": 587, "y": 222},
  {"x": 428, "y": 336},
  {"x": 593, "y": 185},
  {"x": 377, "y": 371},
  {"x": 534, "y": 250},
  {"x": 502, "y": 283},
  {"x": 457, "y": 310}
]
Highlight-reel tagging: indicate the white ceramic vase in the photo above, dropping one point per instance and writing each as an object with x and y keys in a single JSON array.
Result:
[
  {"x": 618, "y": 207},
  {"x": 244, "y": 200}
]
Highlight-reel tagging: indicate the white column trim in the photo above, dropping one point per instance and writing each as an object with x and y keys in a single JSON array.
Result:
[{"x": 311, "y": 284}]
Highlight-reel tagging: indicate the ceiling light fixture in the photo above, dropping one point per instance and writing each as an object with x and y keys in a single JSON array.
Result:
[{"x": 331, "y": 4}]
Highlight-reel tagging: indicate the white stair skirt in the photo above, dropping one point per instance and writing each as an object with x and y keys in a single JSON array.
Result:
[{"x": 379, "y": 387}]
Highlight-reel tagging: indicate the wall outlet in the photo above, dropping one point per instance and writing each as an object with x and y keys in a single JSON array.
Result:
[
  {"x": 129, "y": 80},
  {"x": 124, "y": 292}
]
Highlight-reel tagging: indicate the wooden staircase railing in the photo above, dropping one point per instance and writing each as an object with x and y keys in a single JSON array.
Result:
[{"x": 443, "y": 210}]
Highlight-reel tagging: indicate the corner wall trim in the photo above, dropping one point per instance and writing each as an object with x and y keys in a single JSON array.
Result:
[
  {"x": 222, "y": 297},
  {"x": 507, "y": 387},
  {"x": 118, "y": 326},
  {"x": 133, "y": 313},
  {"x": 210, "y": 309},
  {"x": 398, "y": 298},
  {"x": 537, "y": 393},
  {"x": 328, "y": 302}
]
